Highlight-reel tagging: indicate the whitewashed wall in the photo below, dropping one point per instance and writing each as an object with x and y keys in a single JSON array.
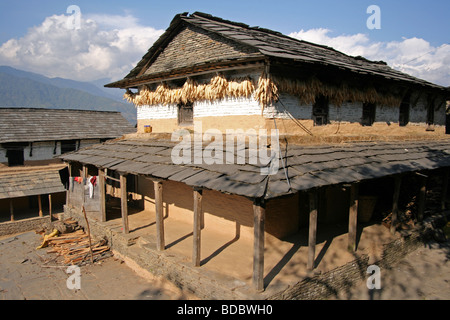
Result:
[
  {"x": 44, "y": 150},
  {"x": 348, "y": 112}
]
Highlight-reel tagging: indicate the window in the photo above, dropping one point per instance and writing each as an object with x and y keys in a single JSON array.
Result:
[
  {"x": 185, "y": 114},
  {"x": 404, "y": 112},
  {"x": 368, "y": 114},
  {"x": 14, "y": 153},
  {"x": 320, "y": 111},
  {"x": 68, "y": 146}
]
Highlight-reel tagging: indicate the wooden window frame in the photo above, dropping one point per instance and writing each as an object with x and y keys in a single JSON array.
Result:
[
  {"x": 368, "y": 114},
  {"x": 320, "y": 111},
  {"x": 186, "y": 114}
]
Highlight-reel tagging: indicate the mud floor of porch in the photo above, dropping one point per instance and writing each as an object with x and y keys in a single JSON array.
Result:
[{"x": 285, "y": 260}]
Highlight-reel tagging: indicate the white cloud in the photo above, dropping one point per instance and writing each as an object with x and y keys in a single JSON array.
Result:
[
  {"x": 414, "y": 56},
  {"x": 105, "y": 46}
]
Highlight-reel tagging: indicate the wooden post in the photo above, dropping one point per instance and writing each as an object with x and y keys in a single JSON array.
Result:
[
  {"x": 124, "y": 203},
  {"x": 101, "y": 187},
  {"x": 312, "y": 229},
  {"x": 397, "y": 185},
  {"x": 11, "y": 209},
  {"x": 160, "y": 244},
  {"x": 196, "y": 252},
  {"x": 444, "y": 189},
  {"x": 69, "y": 168},
  {"x": 40, "y": 205},
  {"x": 422, "y": 197},
  {"x": 50, "y": 206},
  {"x": 353, "y": 218},
  {"x": 259, "y": 213}
]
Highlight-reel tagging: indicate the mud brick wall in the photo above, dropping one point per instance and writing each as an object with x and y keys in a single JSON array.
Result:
[{"x": 25, "y": 225}]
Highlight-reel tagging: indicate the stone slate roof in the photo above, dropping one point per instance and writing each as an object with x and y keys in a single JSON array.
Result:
[
  {"x": 257, "y": 43},
  {"x": 30, "y": 183},
  {"x": 306, "y": 166},
  {"x": 31, "y": 125}
]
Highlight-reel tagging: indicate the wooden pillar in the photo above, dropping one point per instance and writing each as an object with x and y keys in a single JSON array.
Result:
[
  {"x": 50, "y": 206},
  {"x": 68, "y": 191},
  {"x": 353, "y": 218},
  {"x": 196, "y": 251},
  {"x": 40, "y": 205},
  {"x": 397, "y": 185},
  {"x": 102, "y": 189},
  {"x": 444, "y": 189},
  {"x": 124, "y": 203},
  {"x": 422, "y": 197},
  {"x": 312, "y": 229},
  {"x": 259, "y": 213},
  {"x": 11, "y": 209},
  {"x": 160, "y": 243}
]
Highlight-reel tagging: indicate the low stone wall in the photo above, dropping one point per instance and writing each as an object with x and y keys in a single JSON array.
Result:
[
  {"x": 344, "y": 277},
  {"x": 25, "y": 225}
]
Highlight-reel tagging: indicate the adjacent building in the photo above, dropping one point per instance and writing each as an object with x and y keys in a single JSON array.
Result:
[{"x": 30, "y": 140}]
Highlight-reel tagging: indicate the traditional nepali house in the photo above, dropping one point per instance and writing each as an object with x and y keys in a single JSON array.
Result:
[
  {"x": 30, "y": 139},
  {"x": 344, "y": 122}
]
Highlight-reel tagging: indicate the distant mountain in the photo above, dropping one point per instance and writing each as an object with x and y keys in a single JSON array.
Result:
[{"x": 26, "y": 89}]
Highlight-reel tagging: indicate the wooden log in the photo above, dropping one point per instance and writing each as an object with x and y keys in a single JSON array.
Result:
[
  {"x": 259, "y": 213},
  {"x": 353, "y": 217},
  {"x": 160, "y": 242},
  {"x": 102, "y": 188},
  {"x": 397, "y": 185},
  {"x": 312, "y": 229},
  {"x": 124, "y": 203},
  {"x": 196, "y": 251}
]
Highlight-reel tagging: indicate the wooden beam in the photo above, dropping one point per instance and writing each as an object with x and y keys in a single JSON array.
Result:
[
  {"x": 40, "y": 205},
  {"x": 11, "y": 209},
  {"x": 50, "y": 207},
  {"x": 312, "y": 229},
  {"x": 259, "y": 213},
  {"x": 422, "y": 197},
  {"x": 353, "y": 218},
  {"x": 196, "y": 251},
  {"x": 124, "y": 203},
  {"x": 101, "y": 187},
  {"x": 444, "y": 189},
  {"x": 160, "y": 243},
  {"x": 397, "y": 185}
]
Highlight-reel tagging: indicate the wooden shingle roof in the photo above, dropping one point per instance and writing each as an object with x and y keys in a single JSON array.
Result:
[
  {"x": 264, "y": 43},
  {"x": 30, "y": 183},
  {"x": 32, "y": 125},
  {"x": 306, "y": 166}
]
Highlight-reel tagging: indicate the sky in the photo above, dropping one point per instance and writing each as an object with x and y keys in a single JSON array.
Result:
[{"x": 105, "y": 39}]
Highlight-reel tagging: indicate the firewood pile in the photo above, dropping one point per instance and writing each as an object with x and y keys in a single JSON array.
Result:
[{"x": 74, "y": 248}]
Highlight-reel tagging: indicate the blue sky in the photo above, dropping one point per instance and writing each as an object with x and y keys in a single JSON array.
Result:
[{"x": 419, "y": 30}]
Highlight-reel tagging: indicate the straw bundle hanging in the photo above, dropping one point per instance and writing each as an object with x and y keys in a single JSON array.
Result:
[
  {"x": 266, "y": 92},
  {"x": 218, "y": 88}
]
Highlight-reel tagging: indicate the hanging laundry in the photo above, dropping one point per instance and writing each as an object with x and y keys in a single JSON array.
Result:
[{"x": 93, "y": 180}]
